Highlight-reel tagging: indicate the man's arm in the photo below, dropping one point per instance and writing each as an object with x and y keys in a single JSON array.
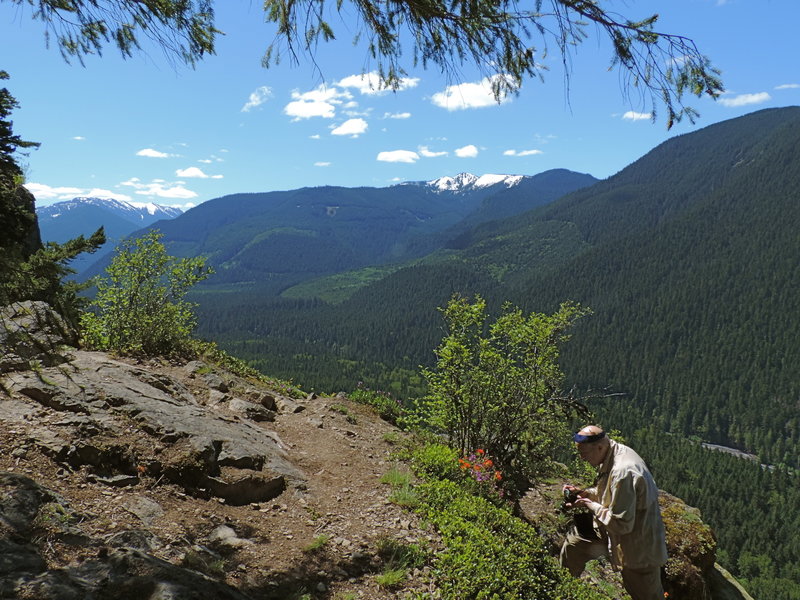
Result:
[{"x": 619, "y": 517}]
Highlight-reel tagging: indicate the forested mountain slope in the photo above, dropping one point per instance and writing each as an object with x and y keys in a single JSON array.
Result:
[
  {"x": 270, "y": 241},
  {"x": 689, "y": 258}
]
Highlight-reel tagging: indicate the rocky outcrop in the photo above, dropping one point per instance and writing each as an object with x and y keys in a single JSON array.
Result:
[
  {"x": 32, "y": 334},
  {"x": 172, "y": 431},
  {"x": 29, "y": 511}
]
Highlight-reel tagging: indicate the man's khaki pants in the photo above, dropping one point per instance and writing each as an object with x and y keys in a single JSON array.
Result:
[{"x": 641, "y": 584}]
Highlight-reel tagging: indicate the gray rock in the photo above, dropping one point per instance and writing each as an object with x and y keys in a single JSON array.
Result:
[
  {"x": 118, "y": 480},
  {"x": 132, "y": 574},
  {"x": 32, "y": 331},
  {"x": 246, "y": 487},
  {"x": 254, "y": 412},
  {"x": 287, "y": 405},
  {"x": 140, "y": 539},
  {"x": 215, "y": 382},
  {"x": 148, "y": 511},
  {"x": 193, "y": 367},
  {"x": 114, "y": 395}
]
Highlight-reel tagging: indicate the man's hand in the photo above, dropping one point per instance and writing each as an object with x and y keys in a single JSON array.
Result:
[{"x": 572, "y": 495}]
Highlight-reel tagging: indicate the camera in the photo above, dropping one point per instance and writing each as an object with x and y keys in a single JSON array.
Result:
[{"x": 570, "y": 496}]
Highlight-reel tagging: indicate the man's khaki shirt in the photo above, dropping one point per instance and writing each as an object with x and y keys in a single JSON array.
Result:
[{"x": 625, "y": 506}]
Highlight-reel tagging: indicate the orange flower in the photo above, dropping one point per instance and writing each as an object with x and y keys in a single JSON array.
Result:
[
  {"x": 479, "y": 451},
  {"x": 498, "y": 475},
  {"x": 488, "y": 463}
]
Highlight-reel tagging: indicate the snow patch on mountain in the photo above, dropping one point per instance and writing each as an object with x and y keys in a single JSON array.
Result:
[
  {"x": 466, "y": 182},
  {"x": 132, "y": 211}
]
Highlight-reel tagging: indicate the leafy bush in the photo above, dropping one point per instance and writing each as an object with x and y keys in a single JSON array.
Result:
[
  {"x": 436, "y": 461},
  {"x": 140, "y": 304},
  {"x": 501, "y": 391}
]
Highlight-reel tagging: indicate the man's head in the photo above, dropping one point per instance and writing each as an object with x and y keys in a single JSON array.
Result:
[{"x": 592, "y": 444}]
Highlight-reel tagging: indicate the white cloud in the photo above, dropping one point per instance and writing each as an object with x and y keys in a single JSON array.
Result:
[
  {"x": 402, "y": 156},
  {"x": 45, "y": 192},
  {"x": 402, "y": 115},
  {"x": 316, "y": 136},
  {"x": 522, "y": 152},
  {"x": 257, "y": 98},
  {"x": 196, "y": 173},
  {"x": 160, "y": 189},
  {"x": 469, "y": 95},
  {"x": 79, "y": 138},
  {"x": 469, "y": 151},
  {"x": 370, "y": 83},
  {"x": 320, "y": 102},
  {"x": 322, "y": 164},
  {"x": 101, "y": 193},
  {"x": 745, "y": 99},
  {"x": 427, "y": 153},
  {"x": 636, "y": 116},
  {"x": 351, "y": 127},
  {"x": 150, "y": 153},
  {"x": 785, "y": 86}
]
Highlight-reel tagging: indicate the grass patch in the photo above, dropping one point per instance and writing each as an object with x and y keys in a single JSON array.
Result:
[
  {"x": 392, "y": 438},
  {"x": 317, "y": 543},
  {"x": 396, "y": 477},
  {"x": 391, "y": 578},
  {"x": 405, "y": 496},
  {"x": 343, "y": 410},
  {"x": 400, "y": 554},
  {"x": 213, "y": 567}
]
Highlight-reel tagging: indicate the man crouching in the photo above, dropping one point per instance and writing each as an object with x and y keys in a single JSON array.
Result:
[{"x": 627, "y": 520}]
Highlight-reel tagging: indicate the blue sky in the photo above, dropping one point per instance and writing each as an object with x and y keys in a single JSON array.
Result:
[{"x": 146, "y": 130}]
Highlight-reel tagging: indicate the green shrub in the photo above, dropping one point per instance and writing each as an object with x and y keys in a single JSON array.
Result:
[
  {"x": 436, "y": 461},
  {"x": 387, "y": 407},
  {"x": 489, "y": 552},
  {"x": 497, "y": 386},
  {"x": 141, "y": 306}
]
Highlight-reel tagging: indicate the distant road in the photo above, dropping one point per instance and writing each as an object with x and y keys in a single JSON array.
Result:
[{"x": 735, "y": 452}]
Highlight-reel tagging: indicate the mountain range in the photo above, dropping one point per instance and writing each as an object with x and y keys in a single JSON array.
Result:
[
  {"x": 271, "y": 241},
  {"x": 83, "y": 215},
  {"x": 63, "y": 221}
]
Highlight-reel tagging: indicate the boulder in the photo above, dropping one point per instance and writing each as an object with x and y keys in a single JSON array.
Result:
[{"x": 32, "y": 332}]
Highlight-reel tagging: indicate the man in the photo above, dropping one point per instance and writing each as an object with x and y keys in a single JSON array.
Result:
[{"x": 627, "y": 520}]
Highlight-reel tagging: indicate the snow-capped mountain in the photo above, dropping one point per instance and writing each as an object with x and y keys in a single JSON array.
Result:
[
  {"x": 467, "y": 182},
  {"x": 139, "y": 214},
  {"x": 63, "y": 221},
  {"x": 67, "y": 220}
]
